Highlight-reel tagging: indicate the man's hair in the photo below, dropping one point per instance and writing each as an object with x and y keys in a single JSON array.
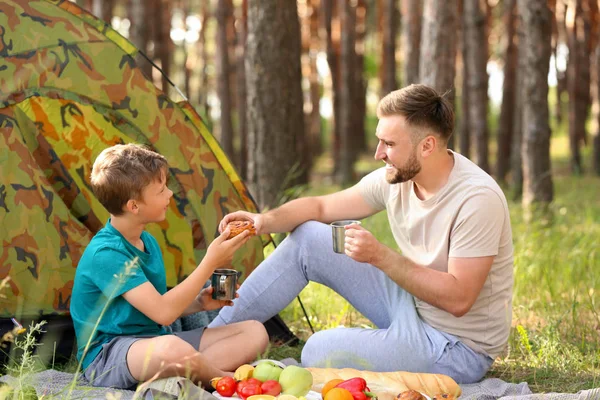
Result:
[
  {"x": 423, "y": 108},
  {"x": 121, "y": 172}
]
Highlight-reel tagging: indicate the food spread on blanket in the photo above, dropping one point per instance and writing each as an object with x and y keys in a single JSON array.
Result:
[{"x": 269, "y": 381}]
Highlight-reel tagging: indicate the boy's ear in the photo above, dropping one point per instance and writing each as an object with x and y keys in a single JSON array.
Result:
[{"x": 131, "y": 206}]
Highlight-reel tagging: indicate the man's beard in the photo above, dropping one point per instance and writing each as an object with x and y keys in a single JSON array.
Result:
[{"x": 410, "y": 169}]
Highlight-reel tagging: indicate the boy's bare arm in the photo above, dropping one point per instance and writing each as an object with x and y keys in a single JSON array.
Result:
[{"x": 165, "y": 309}]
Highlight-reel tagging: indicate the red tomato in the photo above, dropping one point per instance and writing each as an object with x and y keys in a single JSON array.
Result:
[
  {"x": 254, "y": 380},
  {"x": 226, "y": 386},
  {"x": 271, "y": 387},
  {"x": 246, "y": 389}
]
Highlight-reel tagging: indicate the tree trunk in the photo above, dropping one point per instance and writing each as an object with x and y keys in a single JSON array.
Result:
[
  {"x": 558, "y": 38},
  {"x": 507, "y": 109},
  {"x": 242, "y": 28},
  {"x": 347, "y": 13},
  {"x": 516, "y": 159},
  {"x": 464, "y": 136},
  {"x": 202, "y": 51},
  {"x": 596, "y": 64},
  {"x": 331, "y": 24},
  {"x": 537, "y": 174},
  {"x": 274, "y": 97},
  {"x": 438, "y": 47},
  {"x": 411, "y": 43},
  {"x": 359, "y": 139},
  {"x": 189, "y": 61},
  {"x": 139, "y": 33},
  {"x": 103, "y": 9},
  {"x": 314, "y": 147},
  {"x": 477, "y": 78},
  {"x": 162, "y": 41},
  {"x": 578, "y": 82},
  {"x": 224, "y": 16},
  {"x": 389, "y": 27}
]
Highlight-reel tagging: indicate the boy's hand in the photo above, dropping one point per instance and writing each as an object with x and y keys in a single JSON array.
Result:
[
  {"x": 207, "y": 303},
  {"x": 256, "y": 219},
  {"x": 221, "y": 250}
]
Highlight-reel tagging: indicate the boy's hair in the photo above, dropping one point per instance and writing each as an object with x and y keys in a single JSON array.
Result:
[
  {"x": 121, "y": 172},
  {"x": 422, "y": 107}
]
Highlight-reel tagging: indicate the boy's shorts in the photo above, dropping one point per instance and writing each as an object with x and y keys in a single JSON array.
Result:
[{"x": 109, "y": 368}]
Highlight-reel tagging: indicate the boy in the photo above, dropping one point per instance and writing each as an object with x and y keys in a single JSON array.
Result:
[{"x": 120, "y": 303}]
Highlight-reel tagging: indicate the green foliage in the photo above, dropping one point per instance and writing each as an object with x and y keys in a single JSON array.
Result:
[{"x": 23, "y": 365}]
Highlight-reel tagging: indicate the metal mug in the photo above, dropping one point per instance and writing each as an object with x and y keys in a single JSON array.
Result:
[
  {"x": 224, "y": 283},
  {"x": 339, "y": 234}
]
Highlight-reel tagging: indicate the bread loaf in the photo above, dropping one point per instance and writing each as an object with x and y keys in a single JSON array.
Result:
[
  {"x": 237, "y": 227},
  {"x": 410, "y": 395},
  {"x": 389, "y": 382}
]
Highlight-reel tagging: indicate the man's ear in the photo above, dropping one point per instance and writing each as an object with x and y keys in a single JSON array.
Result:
[{"x": 428, "y": 145}]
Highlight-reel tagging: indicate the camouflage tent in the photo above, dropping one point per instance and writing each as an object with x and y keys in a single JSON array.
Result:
[{"x": 70, "y": 87}]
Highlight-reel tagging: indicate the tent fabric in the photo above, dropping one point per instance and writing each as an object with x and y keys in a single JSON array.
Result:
[{"x": 69, "y": 88}]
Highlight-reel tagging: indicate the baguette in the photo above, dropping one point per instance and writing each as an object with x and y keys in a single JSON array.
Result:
[{"x": 386, "y": 383}]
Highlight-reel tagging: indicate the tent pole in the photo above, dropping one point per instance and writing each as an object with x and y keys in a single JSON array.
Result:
[{"x": 305, "y": 314}]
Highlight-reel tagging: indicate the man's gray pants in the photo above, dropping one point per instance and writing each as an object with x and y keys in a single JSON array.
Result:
[{"x": 401, "y": 342}]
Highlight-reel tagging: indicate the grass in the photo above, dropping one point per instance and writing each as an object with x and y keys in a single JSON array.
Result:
[
  {"x": 555, "y": 338},
  {"x": 554, "y": 343}
]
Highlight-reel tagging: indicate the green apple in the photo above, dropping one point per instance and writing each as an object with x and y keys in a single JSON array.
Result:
[
  {"x": 267, "y": 371},
  {"x": 295, "y": 380}
]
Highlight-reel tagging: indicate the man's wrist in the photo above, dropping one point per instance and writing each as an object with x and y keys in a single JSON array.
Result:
[
  {"x": 387, "y": 258},
  {"x": 266, "y": 222}
]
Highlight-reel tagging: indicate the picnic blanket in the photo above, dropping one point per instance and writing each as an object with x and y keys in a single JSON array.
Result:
[{"x": 51, "y": 383}]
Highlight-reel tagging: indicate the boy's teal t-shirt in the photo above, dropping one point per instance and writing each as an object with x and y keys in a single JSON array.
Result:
[{"x": 105, "y": 271}]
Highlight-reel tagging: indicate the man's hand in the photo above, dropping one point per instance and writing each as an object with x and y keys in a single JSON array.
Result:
[
  {"x": 361, "y": 245},
  {"x": 257, "y": 219}
]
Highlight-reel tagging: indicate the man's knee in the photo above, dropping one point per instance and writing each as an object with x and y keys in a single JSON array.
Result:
[
  {"x": 307, "y": 229},
  {"x": 313, "y": 352},
  {"x": 308, "y": 233}
]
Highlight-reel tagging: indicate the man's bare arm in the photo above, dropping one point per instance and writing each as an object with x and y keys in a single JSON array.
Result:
[
  {"x": 454, "y": 291},
  {"x": 346, "y": 204}
]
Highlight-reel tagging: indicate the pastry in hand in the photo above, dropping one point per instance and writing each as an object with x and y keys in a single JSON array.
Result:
[
  {"x": 237, "y": 227},
  {"x": 443, "y": 396},
  {"x": 410, "y": 395}
]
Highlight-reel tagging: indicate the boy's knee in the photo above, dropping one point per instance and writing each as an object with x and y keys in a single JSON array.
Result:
[
  {"x": 172, "y": 349},
  {"x": 257, "y": 331}
]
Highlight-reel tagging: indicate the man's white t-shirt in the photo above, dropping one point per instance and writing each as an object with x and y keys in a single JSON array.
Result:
[{"x": 468, "y": 217}]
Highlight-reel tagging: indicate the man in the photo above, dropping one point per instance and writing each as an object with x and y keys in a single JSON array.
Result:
[{"x": 441, "y": 305}]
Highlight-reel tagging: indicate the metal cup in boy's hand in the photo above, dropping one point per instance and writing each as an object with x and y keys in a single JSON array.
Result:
[
  {"x": 224, "y": 283},
  {"x": 207, "y": 302}
]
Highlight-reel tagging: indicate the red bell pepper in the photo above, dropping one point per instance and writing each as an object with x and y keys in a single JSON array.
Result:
[{"x": 357, "y": 387}]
